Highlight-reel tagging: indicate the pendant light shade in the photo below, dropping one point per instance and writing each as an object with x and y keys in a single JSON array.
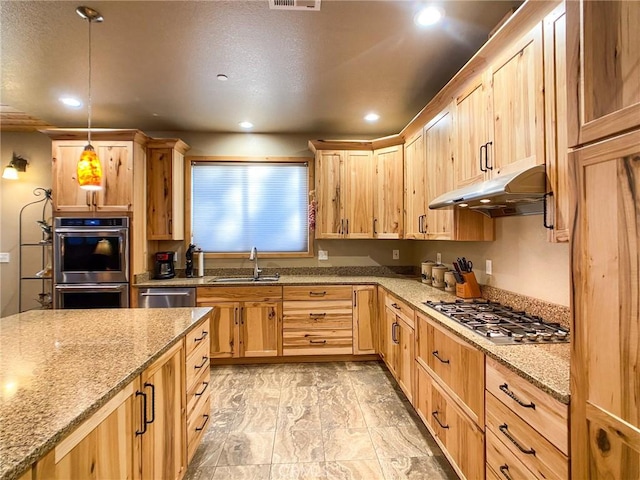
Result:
[{"x": 89, "y": 170}]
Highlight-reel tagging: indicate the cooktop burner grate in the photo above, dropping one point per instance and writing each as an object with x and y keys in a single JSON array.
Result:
[{"x": 501, "y": 324}]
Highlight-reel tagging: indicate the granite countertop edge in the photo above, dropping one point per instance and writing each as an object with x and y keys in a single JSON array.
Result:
[
  {"x": 13, "y": 472},
  {"x": 551, "y": 376}
]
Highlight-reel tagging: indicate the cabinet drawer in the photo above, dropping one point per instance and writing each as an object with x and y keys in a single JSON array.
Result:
[
  {"x": 197, "y": 336},
  {"x": 543, "y": 412},
  {"x": 526, "y": 444},
  {"x": 328, "y": 314},
  {"x": 460, "y": 438},
  {"x": 231, "y": 294},
  {"x": 504, "y": 463},
  {"x": 197, "y": 392},
  {"x": 197, "y": 424},
  {"x": 196, "y": 363},
  {"x": 318, "y": 292},
  {"x": 317, "y": 342},
  {"x": 400, "y": 308},
  {"x": 458, "y": 365}
]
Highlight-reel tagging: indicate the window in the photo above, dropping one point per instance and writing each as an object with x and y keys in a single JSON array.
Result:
[{"x": 239, "y": 205}]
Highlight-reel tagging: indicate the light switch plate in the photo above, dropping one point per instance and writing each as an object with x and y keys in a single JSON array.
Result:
[
  {"x": 396, "y": 254},
  {"x": 323, "y": 255},
  {"x": 438, "y": 258},
  {"x": 5, "y": 257},
  {"x": 489, "y": 268}
]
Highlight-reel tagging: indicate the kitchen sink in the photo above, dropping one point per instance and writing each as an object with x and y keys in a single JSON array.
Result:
[{"x": 274, "y": 278}]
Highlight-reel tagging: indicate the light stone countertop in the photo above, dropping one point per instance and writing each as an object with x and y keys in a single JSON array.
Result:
[
  {"x": 545, "y": 366},
  {"x": 57, "y": 367}
]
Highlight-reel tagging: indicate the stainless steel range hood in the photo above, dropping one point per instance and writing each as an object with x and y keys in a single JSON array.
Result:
[{"x": 518, "y": 193}]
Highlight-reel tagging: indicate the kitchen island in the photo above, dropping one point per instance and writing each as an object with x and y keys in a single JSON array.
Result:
[{"x": 58, "y": 367}]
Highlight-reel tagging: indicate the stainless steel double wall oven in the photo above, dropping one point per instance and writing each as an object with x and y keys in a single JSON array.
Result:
[{"x": 91, "y": 262}]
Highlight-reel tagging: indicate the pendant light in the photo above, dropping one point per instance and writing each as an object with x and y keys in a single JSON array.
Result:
[{"x": 89, "y": 170}]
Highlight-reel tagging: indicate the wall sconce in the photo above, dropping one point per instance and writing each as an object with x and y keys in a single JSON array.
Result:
[{"x": 17, "y": 164}]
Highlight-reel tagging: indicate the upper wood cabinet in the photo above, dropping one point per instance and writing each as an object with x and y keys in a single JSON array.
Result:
[
  {"x": 165, "y": 189},
  {"x": 414, "y": 187},
  {"x": 388, "y": 193},
  {"x": 605, "y": 405},
  {"x": 604, "y": 69},
  {"x": 344, "y": 191}
]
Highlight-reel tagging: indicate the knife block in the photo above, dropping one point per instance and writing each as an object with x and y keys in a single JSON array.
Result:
[{"x": 470, "y": 287}]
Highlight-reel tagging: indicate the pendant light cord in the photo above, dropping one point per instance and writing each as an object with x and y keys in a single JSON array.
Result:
[{"x": 89, "y": 106}]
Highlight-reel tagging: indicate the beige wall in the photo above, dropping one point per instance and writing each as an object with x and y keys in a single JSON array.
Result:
[{"x": 36, "y": 148}]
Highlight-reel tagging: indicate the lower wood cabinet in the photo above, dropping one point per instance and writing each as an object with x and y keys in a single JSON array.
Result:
[
  {"x": 461, "y": 440},
  {"x": 198, "y": 376},
  {"x": 365, "y": 314}
]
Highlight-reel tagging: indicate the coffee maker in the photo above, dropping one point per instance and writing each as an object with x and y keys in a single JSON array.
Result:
[{"x": 163, "y": 265}]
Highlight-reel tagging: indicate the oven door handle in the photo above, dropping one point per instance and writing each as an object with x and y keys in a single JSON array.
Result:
[
  {"x": 165, "y": 294},
  {"x": 114, "y": 288}
]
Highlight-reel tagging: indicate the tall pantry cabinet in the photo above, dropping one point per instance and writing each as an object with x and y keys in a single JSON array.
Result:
[{"x": 603, "y": 51}]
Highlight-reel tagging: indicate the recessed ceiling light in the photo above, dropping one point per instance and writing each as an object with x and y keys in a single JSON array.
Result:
[
  {"x": 71, "y": 102},
  {"x": 463, "y": 204},
  {"x": 222, "y": 77},
  {"x": 485, "y": 200},
  {"x": 246, "y": 124},
  {"x": 429, "y": 16},
  {"x": 372, "y": 117}
]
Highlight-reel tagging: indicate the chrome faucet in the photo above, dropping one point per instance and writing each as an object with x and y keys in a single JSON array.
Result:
[{"x": 254, "y": 256}]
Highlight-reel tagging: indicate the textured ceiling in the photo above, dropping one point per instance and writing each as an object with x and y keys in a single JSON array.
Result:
[{"x": 155, "y": 63}]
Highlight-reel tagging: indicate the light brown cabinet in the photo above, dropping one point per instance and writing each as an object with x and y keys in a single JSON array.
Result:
[
  {"x": 414, "y": 187},
  {"x": 399, "y": 342},
  {"x": 365, "y": 314},
  {"x": 605, "y": 406},
  {"x": 344, "y": 191},
  {"x": 246, "y": 322},
  {"x": 317, "y": 320},
  {"x": 604, "y": 69},
  {"x": 388, "y": 214},
  {"x": 165, "y": 189},
  {"x": 198, "y": 377}
]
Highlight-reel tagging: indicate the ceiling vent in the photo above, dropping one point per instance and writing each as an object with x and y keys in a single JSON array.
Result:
[{"x": 294, "y": 5}]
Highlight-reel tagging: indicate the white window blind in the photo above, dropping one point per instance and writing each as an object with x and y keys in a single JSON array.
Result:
[{"x": 239, "y": 205}]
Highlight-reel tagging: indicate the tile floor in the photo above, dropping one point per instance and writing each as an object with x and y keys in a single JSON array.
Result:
[{"x": 316, "y": 421}]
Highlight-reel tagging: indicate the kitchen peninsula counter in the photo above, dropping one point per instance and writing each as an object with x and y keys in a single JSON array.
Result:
[
  {"x": 545, "y": 366},
  {"x": 58, "y": 367}
]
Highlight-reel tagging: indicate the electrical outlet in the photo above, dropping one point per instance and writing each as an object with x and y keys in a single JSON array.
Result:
[
  {"x": 396, "y": 254},
  {"x": 323, "y": 255},
  {"x": 4, "y": 257},
  {"x": 488, "y": 268},
  {"x": 438, "y": 258}
]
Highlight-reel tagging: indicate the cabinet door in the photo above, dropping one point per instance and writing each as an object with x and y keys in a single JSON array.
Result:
[
  {"x": 260, "y": 329},
  {"x": 358, "y": 198},
  {"x": 66, "y": 193},
  {"x": 329, "y": 193},
  {"x": 517, "y": 104},
  {"x": 163, "y": 445},
  {"x": 390, "y": 339},
  {"x": 414, "y": 188},
  {"x": 117, "y": 176},
  {"x": 102, "y": 447},
  {"x": 405, "y": 357},
  {"x": 440, "y": 173},
  {"x": 165, "y": 185},
  {"x": 225, "y": 329},
  {"x": 604, "y": 51},
  {"x": 364, "y": 319},
  {"x": 555, "y": 78},
  {"x": 605, "y": 405},
  {"x": 471, "y": 134},
  {"x": 388, "y": 193}
]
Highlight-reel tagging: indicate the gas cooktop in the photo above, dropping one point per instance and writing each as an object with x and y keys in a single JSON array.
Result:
[{"x": 501, "y": 324}]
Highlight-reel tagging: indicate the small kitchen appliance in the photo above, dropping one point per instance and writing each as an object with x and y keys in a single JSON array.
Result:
[
  {"x": 501, "y": 324},
  {"x": 163, "y": 265}
]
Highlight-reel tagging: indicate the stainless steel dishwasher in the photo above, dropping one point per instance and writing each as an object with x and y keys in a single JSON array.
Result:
[{"x": 166, "y": 297}]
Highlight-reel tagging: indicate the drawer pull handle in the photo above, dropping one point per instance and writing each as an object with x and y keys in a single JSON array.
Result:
[
  {"x": 204, "y": 361},
  {"x": 435, "y": 354},
  {"x": 204, "y": 389},
  {"x": 505, "y": 388},
  {"x": 206, "y": 419},
  {"x": 396, "y": 306},
  {"x": 435, "y": 415},
  {"x": 204, "y": 335},
  {"x": 144, "y": 413},
  {"x": 153, "y": 401},
  {"x": 504, "y": 470},
  {"x": 505, "y": 431},
  {"x": 317, "y": 341},
  {"x": 317, "y": 315},
  {"x": 317, "y": 294}
]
